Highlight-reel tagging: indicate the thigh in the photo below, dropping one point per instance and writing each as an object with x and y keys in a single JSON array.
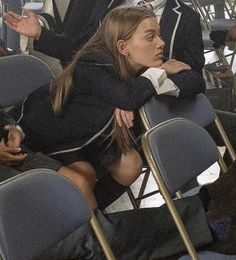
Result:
[
  {"x": 38, "y": 160},
  {"x": 7, "y": 172}
]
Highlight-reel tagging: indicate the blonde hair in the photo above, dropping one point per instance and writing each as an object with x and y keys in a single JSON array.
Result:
[{"x": 119, "y": 24}]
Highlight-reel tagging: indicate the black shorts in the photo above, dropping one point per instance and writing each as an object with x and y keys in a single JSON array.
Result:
[
  {"x": 32, "y": 161},
  {"x": 99, "y": 153}
]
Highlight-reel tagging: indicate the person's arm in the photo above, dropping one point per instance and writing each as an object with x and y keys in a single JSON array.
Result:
[
  {"x": 10, "y": 156},
  {"x": 102, "y": 82},
  {"x": 189, "y": 83},
  {"x": 81, "y": 24},
  {"x": 193, "y": 52}
]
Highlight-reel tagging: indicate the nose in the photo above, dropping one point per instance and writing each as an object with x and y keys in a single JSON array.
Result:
[{"x": 160, "y": 42}]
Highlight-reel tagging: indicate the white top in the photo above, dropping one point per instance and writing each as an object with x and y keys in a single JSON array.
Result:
[
  {"x": 157, "y": 5},
  {"x": 160, "y": 82}
]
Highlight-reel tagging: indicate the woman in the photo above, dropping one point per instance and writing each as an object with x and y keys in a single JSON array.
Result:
[{"x": 73, "y": 122}]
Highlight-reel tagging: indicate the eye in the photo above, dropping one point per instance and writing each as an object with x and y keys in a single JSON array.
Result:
[{"x": 150, "y": 37}]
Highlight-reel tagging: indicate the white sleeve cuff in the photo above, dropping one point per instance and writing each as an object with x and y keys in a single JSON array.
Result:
[
  {"x": 155, "y": 75},
  {"x": 160, "y": 82}
]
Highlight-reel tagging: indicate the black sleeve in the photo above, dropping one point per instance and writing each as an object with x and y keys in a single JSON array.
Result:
[
  {"x": 189, "y": 82},
  {"x": 193, "y": 53},
  {"x": 103, "y": 83},
  {"x": 78, "y": 30},
  {"x": 5, "y": 119},
  {"x": 59, "y": 46}
]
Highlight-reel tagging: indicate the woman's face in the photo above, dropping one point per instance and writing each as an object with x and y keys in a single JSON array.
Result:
[{"x": 145, "y": 47}]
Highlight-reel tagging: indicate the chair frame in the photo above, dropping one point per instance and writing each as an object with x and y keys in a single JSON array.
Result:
[
  {"x": 164, "y": 190},
  {"x": 147, "y": 125}
]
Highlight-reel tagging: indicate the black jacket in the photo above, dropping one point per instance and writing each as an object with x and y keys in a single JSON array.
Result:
[
  {"x": 97, "y": 91},
  {"x": 180, "y": 28}
]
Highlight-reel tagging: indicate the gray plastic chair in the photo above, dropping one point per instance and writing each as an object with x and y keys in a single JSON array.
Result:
[
  {"x": 198, "y": 109},
  {"x": 9, "y": 37},
  {"x": 20, "y": 75},
  {"x": 177, "y": 151},
  {"x": 161, "y": 108},
  {"x": 38, "y": 209}
]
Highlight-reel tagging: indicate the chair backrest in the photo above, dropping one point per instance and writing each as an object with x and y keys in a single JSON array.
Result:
[
  {"x": 161, "y": 108},
  {"x": 19, "y": 76},
  {"x": 11, "y": 38},
  {"x": 37, "y": 210},
  {"x": 179, "y": 150}
]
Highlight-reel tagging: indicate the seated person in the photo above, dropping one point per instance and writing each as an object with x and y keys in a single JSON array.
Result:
[
  {"x": 16, "y": 158},
  {"x": 180, "y": 29},
  {"x": 74, "y": 123}
]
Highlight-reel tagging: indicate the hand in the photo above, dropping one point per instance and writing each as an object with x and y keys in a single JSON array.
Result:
[
  {"x": 10, "y": 156},
  {"x": 124, "y": 117},
  {"x": 15, "y": 136},
  {"x": 231, "y": 35},
  {"x": 26, "y": 25},
  {"x": 173, "y": 66}
]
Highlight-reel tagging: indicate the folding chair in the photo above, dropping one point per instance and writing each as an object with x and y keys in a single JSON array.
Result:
[
  {"x": 9, "y": 37},
  {"x": 198, "y": 109},
  {"x": 38, "y": 209},
  {"x": 20, "y": 75},
  {"x": 177, "y": 151}
]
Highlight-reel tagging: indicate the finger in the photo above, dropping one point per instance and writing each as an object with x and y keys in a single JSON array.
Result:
[
  {"x": 9, "y": 127},
  {"x": 12, "y": 150},
  {"x": 125, "y": 118},
  {"x": 17, "y": 158},
  {"x": 11, "y": 26},
  {"x": 13, "y": 15},
  {"x": 118, "y": 117},
  {"x": 130, "y": 117}
]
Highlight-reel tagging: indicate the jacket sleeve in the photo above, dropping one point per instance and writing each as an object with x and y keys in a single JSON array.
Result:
[
  {"x": 193, "y": 53},
  {"x": 189, "y": 83},
  {"x": 77, "y": 31},
  {"x": 103, "y": 83}
]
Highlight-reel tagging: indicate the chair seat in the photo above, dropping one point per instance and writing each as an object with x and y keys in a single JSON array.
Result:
[{"x": 222, "y": 24}]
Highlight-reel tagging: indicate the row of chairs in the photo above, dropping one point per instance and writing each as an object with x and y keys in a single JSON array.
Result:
[
  {"x": 155, "y": 112},
  {"x": 217, "y": 15}
]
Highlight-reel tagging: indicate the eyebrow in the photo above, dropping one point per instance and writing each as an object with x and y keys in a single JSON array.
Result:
[{"x": 150, "y": 30}]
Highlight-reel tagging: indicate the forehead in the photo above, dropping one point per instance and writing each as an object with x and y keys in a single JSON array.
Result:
[{"x": 148, "y": 24}]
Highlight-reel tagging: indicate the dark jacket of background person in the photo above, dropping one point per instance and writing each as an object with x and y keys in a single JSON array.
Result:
[
  {"x": 97, "y": 91},
  {"x": 179, "y": 24}
]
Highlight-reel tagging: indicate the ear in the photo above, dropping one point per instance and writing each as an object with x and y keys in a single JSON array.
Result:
[{"x": 122, "y": 47}]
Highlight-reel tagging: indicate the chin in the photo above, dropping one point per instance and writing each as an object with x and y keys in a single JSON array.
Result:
[{"x": 157, "y": 64}]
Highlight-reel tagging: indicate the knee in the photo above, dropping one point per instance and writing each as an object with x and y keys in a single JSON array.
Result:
[{"x": 136, "y": 165}]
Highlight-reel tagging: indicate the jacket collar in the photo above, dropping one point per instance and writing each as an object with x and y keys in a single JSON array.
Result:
[{"x": 169, "y": 24}]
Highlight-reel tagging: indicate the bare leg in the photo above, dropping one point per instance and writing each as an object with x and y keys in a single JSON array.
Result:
[
  {"x": 84, "y": 176},
  {"x": 127, "y": 169}
]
